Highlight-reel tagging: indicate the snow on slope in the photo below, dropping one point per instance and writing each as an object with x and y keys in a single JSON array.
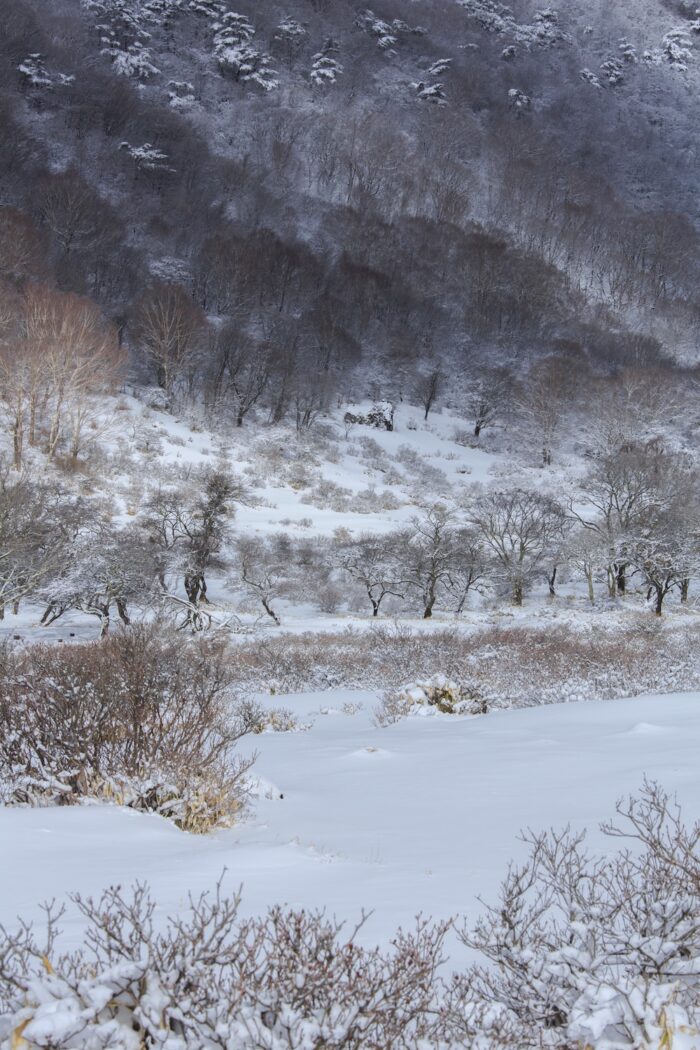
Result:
[{"x": 421, "y": 816}]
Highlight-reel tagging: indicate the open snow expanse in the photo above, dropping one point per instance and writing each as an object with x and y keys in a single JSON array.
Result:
[{"x": 420, "y": 816}]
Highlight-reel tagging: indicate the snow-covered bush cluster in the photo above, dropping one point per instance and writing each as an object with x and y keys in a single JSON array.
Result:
[
  {"x": 141, "y": 721},
  {"x": 579, "y": 950},
  {"x": 260, "y": 719},
  {"x": 438, "y": 695},
  {"x": 677, "y": 49},
  {"x": 380, "y": 415},
  {"x": 594, "y": 952},
  {"x": 340, "y": 499},
  {"x": 513, "y": 667},
  {"x": 286, "y": 981}
]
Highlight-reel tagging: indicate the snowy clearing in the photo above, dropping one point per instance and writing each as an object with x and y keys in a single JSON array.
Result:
[{"x": 422, "y": 816}]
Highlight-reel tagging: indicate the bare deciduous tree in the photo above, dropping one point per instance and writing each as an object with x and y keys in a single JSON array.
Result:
[
  {"x": 520, "y": 529},
  {"x": 74, "y": 213},
  {"x": 241, "y": 372},
  {"x": 375, "y": 562},
  {"x": 107, "y": 568},
  {"x": 38, "y": 525},
  {"x": 168, "y": 328},
  {"x": 261, "y": 571},
  {"x": 548, "y": 390},
  {"x": 488, "y": 398},
  {"x": 429, "y": 551},
  {"x": 62, "y": 353},
  {"x": 626, "y": 487},
  {"x": 22, "y": 251},
  {"x": 428, "y": 389}
]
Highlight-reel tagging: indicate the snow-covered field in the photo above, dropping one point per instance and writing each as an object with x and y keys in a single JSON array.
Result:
[
  {"x": 418, "y": 817},
  {"x": 421, "y": 816}
]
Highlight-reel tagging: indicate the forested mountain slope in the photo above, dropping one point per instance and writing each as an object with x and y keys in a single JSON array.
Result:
[{"x": 358, "y": 196}]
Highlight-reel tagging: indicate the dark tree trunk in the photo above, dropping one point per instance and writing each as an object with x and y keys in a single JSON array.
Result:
[
  {"x": 270, "y": 611},
  {"x": 621, "y": 578},
  {"x": 551, "y": 580}
]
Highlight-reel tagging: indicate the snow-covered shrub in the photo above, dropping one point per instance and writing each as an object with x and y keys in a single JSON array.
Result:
[
  {"x": 196, "y": 802},
  {"x": 133, "y": 61},
  {"x": 439, "y": 694},
  {"x": 289, "y": 38},
  {"x": 140, "y": 719},
  {"x": 371, "y": 500},
  {"x": 431, "y": 88},
  {"x": 426, "y": 478},
  {"x": 288, "y": 980},
  {"x": 430, "y": 92},
  {"x": 381, "y": 416},
  {"x": 387, "y": 33},
  {"x": 393, "y": 707},
  {"x": 290, "y": 29},
  {"x": 327, "y": 494},
  {"x": 592, "y": 951},
  {"x": 211, "y": 9},
  {"x": 372, "y": 453},
  {"x": 628, "y": 51},
  {"x": 281, "y": 720},
  {"x": 293, "y": 463},
  {"x": 261, "y": 719},
  {"x": 375, "y": 458},
  {"x": 464, "y": 436}
]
